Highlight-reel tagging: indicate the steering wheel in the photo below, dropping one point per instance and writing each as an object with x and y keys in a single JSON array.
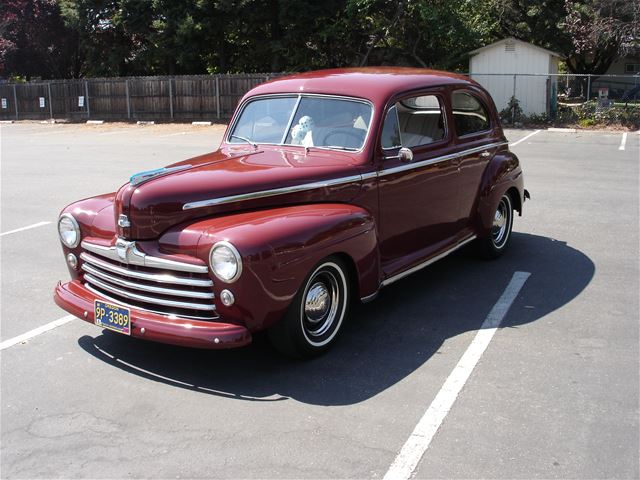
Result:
[{"x": 349, "y": 133}]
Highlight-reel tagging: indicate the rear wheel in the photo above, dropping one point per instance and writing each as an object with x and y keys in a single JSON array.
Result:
[
  {"x": 316, "y": 313},
  {"x": 497, "y": 241}
]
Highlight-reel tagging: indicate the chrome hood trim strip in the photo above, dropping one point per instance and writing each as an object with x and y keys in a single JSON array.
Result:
[{"x": 273, "y": 192}]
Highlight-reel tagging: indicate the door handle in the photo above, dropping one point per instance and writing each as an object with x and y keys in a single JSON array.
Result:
[{"x": 485, "y": 154}]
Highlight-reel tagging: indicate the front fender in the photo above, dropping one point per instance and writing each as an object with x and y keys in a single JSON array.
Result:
[{"x": 279, "y": 248}]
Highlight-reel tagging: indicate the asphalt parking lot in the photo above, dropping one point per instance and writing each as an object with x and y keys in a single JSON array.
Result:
[{"x": 554, "y": 395}]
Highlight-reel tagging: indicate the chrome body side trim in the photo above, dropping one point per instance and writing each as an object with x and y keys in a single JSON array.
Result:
[
  {"x": 420, "y": 266},
  {"x": 127, "y": 252},
  {"x": 270, "y": 193},
  {"x": 94, "y": 272},
  {"x": 151, "y": 277},
  {"x": 143, "y": 298},
  {"x": 125, "y": 304},
  {"x": 444, "y": 158},
  {"x": 336, "y": 181},
  {"x": 370, "y": 298}
]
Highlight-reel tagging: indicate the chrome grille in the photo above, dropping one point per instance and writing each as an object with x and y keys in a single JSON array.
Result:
[{"x": 165, "y": 291}]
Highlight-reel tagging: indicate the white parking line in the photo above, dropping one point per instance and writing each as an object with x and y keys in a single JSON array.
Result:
[
  {"x": 28, "y": 227},
  {"x": 407, "y": 460},
  {"x": 524, "y": 138},
  {"x": 35, "y": 332},
  {"x": 172, "y": 134},
  {"x": 623, "y": 141}
]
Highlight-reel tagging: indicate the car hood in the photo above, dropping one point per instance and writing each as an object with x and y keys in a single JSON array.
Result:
[{"x": 232, "y": 180}]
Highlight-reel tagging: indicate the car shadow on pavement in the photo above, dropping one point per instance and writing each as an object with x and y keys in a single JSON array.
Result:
[{"x": 382, "y": 342}]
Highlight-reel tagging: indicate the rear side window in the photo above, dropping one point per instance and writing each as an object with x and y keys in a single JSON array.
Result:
[
  {"x": 413, "y": 122},
  {"x": 469, "y": 115}
]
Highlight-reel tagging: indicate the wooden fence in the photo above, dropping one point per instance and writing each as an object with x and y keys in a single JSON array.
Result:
[{"x": 201, "y": 97}]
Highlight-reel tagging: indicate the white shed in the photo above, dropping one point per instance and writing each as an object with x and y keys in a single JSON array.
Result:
[{"x": 511, "y": 67}]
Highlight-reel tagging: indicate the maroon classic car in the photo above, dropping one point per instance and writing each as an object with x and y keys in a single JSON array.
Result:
[{"x": 327, "y": 186}]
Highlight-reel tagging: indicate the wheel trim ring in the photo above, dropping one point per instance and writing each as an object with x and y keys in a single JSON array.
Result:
[
  {"x": 501, "y": 223},
  {"x": 340, "y": 306}
]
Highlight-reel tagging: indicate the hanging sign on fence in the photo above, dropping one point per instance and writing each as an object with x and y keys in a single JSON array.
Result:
[
  {"x": 4, "y": 103},
  {"x": 41, "y": 102},
  {"x": 81, "y": 101}
]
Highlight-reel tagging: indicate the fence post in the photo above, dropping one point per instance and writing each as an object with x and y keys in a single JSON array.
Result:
[
  {"x": 15, "y": 100},
  {"x": 126, "y": 88},
  {"x": 86, "y": 94},
  {"x": 588, "y": 86},
  {"x": 170, "y": 98},
  {"x": 50, "y": 104},
  {"x": 218, "y": 96}
]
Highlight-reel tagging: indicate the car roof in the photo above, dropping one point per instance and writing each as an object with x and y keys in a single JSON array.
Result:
[{"x": 373, "y": 83}]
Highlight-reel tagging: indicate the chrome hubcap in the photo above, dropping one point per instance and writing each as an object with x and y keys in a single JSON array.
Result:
[
  {"x": 500, "y": 227},
  {"x": 317, "y": 302},
  {"x": 321, "y": 303}
]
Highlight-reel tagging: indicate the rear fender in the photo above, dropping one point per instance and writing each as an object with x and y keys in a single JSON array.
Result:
[{"x": 503, "y": 174}]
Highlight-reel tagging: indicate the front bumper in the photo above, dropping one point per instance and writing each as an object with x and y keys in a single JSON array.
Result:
[{"x": 77, "y": 300}]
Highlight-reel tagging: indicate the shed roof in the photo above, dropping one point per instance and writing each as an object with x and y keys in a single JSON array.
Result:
[{"x": 515, "y": 40}]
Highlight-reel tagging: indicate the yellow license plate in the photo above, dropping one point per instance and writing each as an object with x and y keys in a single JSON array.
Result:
[{"x": 112, "y": 316}]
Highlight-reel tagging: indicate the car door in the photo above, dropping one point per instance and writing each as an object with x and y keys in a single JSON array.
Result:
[
  {"x": 418, "y": 198},
  {"x": 477, "y": 141}
]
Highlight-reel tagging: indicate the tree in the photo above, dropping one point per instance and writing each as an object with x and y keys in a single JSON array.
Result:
[
  {"x": 600, "y": 31},
  {"x": 591, "y": 34},
  {"x": 34, "y": 41}
]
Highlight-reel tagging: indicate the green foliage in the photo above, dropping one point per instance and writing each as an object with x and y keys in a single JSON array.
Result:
[
  {"x": 158, "y": 37},
  {"x": 512, "y": 113}
]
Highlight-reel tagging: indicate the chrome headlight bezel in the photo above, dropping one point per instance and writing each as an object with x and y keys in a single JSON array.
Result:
[
  {"x": 223, "y": 244},
  {"x": 76, "y": 229}
]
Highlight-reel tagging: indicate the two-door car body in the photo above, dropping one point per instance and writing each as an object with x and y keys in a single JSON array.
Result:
[{"x": 326, "y": 187}]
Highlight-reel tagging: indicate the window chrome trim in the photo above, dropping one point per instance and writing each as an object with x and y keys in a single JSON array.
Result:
[
  {"x": 273, "y": 192},
  {"x": 426, "y": 263},
  {"x": 133, "y": 256},
  {"x": 299, "y": 96},
  {"x": 151, "y": 277}
]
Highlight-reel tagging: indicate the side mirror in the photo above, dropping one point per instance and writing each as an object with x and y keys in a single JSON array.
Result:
[{"x": 405, "y": 155}]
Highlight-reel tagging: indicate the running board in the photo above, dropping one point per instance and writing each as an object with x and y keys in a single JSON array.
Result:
[{"x": 390, "y": 280}]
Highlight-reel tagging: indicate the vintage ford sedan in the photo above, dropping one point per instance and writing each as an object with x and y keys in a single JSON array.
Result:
[{"x": 327, "y": 187}]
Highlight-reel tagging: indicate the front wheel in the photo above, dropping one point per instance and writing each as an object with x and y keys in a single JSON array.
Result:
[
  {"x": 497, "y": 241},
  {"x": 316, "y": 313}
]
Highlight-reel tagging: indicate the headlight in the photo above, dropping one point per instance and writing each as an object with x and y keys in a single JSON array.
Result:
[
  {"x": 69, "y": 230},
  {"x": 225, "y": 262}
]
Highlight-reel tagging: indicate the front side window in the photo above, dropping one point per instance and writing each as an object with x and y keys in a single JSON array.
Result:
[
  {"x": 413, "y": 122},
  {"x": 469, "y": 115},
  {"x": 307, "y": 120}
]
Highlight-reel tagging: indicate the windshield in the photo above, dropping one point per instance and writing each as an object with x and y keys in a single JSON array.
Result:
[{"x": 306, "y": 120}]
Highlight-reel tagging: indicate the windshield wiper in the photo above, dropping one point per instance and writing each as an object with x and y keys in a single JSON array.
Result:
[
  {"x": 335, "y": 147},
  {"x": 254, "y": 145}
]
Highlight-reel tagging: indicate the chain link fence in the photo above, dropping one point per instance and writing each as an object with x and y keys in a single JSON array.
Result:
[{"x": 545, "y": 96}]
